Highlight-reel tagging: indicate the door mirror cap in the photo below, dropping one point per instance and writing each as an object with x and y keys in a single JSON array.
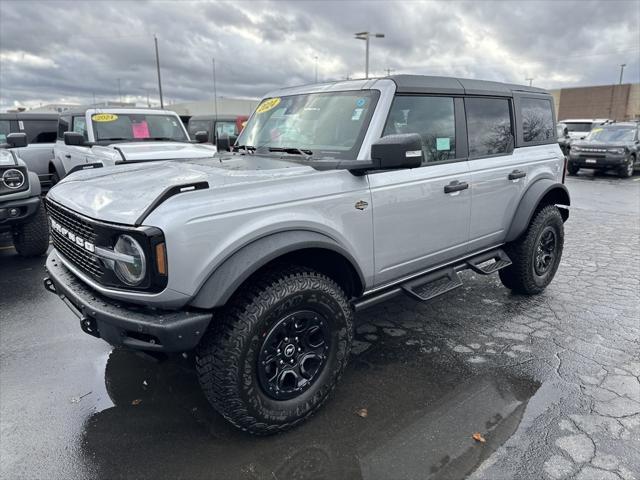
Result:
[
  {"x": 202, "y": 136},
  {"x": 222, "y": 143},
  {"x": 17, "y": 140},
  {"x": 397, "y": 151},
  {"x": 74, "y": 139},
  {"x": 565, "y": 131}
]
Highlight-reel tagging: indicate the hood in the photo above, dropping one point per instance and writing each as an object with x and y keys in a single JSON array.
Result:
[
  {"x": 139, "y": 151},
  {"x": 122, "y": 194},
  {"x": 599, "y": 145},
  {"x": 577, "y": 135}
]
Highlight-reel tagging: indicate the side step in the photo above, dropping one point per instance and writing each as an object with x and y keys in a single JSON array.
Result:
[
  {"x": 429, "y": 286},
  {"x": 499, "y": 260}
]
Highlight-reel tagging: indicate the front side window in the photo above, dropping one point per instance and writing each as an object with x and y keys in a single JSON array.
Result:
[
  {"x": 432, "y": 118},
  {"x": 327, "y": 124},
  {"x": 196, "y": 126},
  {"x": 80, "y": 126},
  {"x": 488, "y": 126},
  {"x": 226, "y": 128},
  {"x": 5, "y": 129},
  {"x": 613, "y": 134},
  {"x": 137, "y": 127},
  {"x": 537, "y": 119},
  {"x": 40, "y": 131},
  {"x": 63, "y": 126}
]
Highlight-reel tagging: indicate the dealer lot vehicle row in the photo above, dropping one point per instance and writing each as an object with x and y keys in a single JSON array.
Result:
[{"x": 336, "y": 196}]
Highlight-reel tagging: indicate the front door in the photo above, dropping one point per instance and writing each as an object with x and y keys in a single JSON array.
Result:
[{"x": 421, "y": 215}]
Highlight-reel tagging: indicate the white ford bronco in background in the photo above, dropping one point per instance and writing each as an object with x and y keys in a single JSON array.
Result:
[
  {"x": 335, "y": 196},
  {"x": 94, "y": 138}
]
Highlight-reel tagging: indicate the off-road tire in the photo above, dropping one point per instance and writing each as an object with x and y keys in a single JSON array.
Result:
[
  {"x": 521, "y": 275},
  {"x": 31, "y": 239},
  {"x": 627, "y": 170},
  {"x": 227, "y": 357},
  {"x": 572, "y": 169}
]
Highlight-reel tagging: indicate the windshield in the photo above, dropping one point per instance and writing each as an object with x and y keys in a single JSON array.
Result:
[
  {"x": 326, "y": 124},
  {"x": 560, "y": 129},
  {"x": 137, "y": 127},
  {"x": 612, "y": 134},
  {"x": 579, "y": 127}
]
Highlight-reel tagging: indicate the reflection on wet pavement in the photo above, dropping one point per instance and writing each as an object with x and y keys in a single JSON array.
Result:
[{"x": 421, "y": 416}]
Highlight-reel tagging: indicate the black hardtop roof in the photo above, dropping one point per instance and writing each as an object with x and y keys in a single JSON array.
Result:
[
  {"x": 459, "y": 86},
  {"x": 231, "y": 118},
  {"x": 28, "y": 116}
]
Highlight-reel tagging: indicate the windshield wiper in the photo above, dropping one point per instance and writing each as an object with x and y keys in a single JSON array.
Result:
[
  {"x": 248, "y": 148},
  {"x": 293, "y": 150},
  {"x": 164, "y": 139},
  {"x": 112, "y": 139}
]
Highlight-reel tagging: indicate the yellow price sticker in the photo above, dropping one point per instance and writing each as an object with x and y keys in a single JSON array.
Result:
[
  {"x": 596, "y": 130},
  {"x": 268, "y": 104},
  {"x": 104, "y": 117}
]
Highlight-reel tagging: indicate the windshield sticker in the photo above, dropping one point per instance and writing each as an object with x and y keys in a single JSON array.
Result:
[
  {"x": 104, "y": 117},
  {"x": 596, "y": 130},
  {"x": 268, "y": 105},
  {"x": 357, "y": 113},
  {"x": 140, "y": 130},
  {"x": 360, "y": 102},
  {"x": 443, "y": 143}
]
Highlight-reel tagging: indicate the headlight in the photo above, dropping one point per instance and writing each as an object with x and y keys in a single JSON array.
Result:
[
  {"x": 131, "y": 267},
  {"x": 616, "y": 150},
  {"x": 576, "y": 148}
]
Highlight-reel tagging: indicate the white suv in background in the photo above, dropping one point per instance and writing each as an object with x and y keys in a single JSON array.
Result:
[{"x": 104, "y": 137}]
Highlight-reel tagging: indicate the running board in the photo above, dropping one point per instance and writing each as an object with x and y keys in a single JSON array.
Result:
[
  {"x": 500, "y": 261},
  {"x": 433, "y": 284}
]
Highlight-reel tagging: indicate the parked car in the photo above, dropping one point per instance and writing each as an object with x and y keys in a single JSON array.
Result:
[
  {"x": 21, "y": 212},
  {"x": 609, "y": 147},
  {"x": 95, "y": 138},
  {"x": 227, "y": 125},
  {"x": 40, "y": 129},
  {"x": 562, "y": 132},
  {"x": 336, "y": 196}
]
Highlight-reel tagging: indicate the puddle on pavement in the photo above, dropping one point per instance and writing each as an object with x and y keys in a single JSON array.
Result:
[{"x": 422, "y": 413}]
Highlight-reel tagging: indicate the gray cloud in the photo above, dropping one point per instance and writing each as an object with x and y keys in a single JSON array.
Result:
[{"x": 53, "y": 51}]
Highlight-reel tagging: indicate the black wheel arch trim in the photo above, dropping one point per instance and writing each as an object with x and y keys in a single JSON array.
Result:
[
  {"x": 544, "y": 188},
  {"x": 223, "y": 282}
]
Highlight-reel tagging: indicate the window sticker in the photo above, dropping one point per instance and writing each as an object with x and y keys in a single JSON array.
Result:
[
  {"x": 104, "y": 117},
  {"x": 357, "y": 113},
  {"x": 443, "y": 143},
  {"x": 140, "y": 130},
  {"x": 268, "y": 105},
  {"x": 360, "y": 102},
  {"x": 21, "y": 125},
  {"x": 596, "y": 130}
]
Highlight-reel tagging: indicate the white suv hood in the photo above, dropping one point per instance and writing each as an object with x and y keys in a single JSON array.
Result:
[{"x": 138, "y": 151}]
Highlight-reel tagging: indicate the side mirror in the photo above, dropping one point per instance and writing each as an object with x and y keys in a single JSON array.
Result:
[
  {"x": 17, "y": 140},
  {"x": 74, "y": 139},
  {"x": 202, "y": 136},
  {"x": 222, "y": 143},
  {"x": 397, "y": 151},
  {"x": 565, "y": 131}
]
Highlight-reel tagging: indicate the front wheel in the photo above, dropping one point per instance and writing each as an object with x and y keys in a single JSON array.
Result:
[
  {"x": 277, "y": 351},
  {"x": 627, "y": 170},
  {"x": 572, "y": 169},
  {"x": 32, "y": 238},
  {"x": 536, "y": 254}
]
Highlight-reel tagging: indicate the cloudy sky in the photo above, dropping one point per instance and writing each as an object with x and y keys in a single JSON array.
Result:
[{"x": 69, "y": 52}]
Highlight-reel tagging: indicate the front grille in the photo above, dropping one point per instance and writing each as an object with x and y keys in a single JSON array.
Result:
[{"x": 79, "y": 256}]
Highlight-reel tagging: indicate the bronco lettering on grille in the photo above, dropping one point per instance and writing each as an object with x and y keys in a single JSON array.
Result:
[{"x": 72, "y": 237}]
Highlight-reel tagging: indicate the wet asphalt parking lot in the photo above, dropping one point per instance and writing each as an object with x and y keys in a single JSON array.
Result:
[{"x": 551, "y": 382}]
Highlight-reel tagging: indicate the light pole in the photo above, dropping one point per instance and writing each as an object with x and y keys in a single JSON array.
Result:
[
  {"x": 119, "y": 92},
  {"x": 530, "y": 81},
  {"x": 155, "y": 39},
  {"x": 316, "y": 59},
  {"x": 622, "y": 70},
  {"x": 215, "y": 90},
  {"x": 365, "y": 36}
]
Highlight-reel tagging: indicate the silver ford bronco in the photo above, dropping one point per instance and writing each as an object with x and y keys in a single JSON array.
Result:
[{"x": 335, "y": 196}]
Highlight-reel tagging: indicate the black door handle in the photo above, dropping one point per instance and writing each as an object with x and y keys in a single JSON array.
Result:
[
  {"x": 517, "y": 174},
  {"x": 455, "y": 186},
  {"x": 67, "y": 155}
]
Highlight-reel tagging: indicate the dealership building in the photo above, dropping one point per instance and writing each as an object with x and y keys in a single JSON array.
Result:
[{"x": 616, "y": 102}]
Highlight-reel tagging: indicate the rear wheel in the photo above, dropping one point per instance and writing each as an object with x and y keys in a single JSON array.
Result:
[
  {"x": 32, "y": 238},
  {"x": 278, "y": 350},
  {"x": 536, "y": 254}
]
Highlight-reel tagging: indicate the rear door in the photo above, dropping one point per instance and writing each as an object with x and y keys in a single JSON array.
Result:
[{"x": 417, "y": 224}]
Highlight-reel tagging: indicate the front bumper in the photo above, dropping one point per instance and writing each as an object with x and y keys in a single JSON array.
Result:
[
  {"x": 25, "y": 208},
  {"x": 119, "y": 323},
  {"x": 585, "y": 160}
]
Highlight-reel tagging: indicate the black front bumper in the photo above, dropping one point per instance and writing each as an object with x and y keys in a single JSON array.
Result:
[
  {"x": 125, "y": 324},
  {"x": 26, "y": 207},
  {"x": 601, "y": 162}
]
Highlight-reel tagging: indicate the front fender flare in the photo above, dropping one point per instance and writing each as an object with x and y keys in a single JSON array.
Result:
[
  {"x": 555, "y": 192},
  {"x": 240, "y": 265}
]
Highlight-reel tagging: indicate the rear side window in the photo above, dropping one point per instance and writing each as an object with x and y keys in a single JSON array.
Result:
[
  {"x": 489, "y": 126},
  {"x": 63, "y": 126},
  {"x": 226, "y": 128},
  {"x": 432, "y": 118},
  {"x": 39, "y": 131},
  {"x": 537, "y": 119}
]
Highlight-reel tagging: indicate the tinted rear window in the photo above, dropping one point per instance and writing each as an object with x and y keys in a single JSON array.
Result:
[
  {"x": 537, "y": 119},
  {"x": 39, "y": 131},
  {"x": 489, "y": 126}
]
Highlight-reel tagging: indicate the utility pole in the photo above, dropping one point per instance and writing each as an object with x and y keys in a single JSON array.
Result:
[
  {"x": 316, "y": 58},
  {"x": 530, "y": 81},
  {"x": 215, "y": 91},
  {"x": 389, "y": 70},
  {"x": 155, "y": 39},
  {"x": 94, "y": 98},
  {"x": 366, "y": 36},
  {"x": 119, "y": 92},
  {"x": 622, "y": 65},
  {"x": 148, "y": 102}
]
